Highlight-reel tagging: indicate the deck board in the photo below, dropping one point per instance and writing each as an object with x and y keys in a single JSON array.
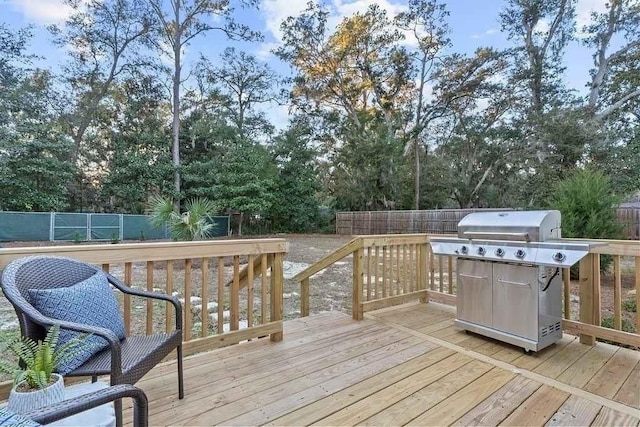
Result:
[
  {"x": 405, "y": 365},
  {"x": 500, "y": 404}
]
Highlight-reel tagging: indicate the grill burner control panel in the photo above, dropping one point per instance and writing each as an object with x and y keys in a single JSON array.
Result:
[{"x": 552, "y": 254}]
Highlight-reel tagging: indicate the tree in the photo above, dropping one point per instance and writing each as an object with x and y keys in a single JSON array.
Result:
[
  {"x": 245, "y": 180},
  {"x": 295, "y": 205},
  {"x": 184, "y": 21},
  {"x": 543, "y": 28},
  {"x": 140, "y": 159},
  {"x": 426, "y": 22},
  {"x": 33, "y": 151},
  {"x": 614, "y": 79},
  {"x": 195, "y": 223},
  {"x": 105, "y": 40},
  {"x": 356, "y": 81},
  {"x": 242, "y": 84}
]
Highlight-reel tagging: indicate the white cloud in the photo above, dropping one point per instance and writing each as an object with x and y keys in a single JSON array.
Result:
[
  {"x": 264, "y": 50},
  {"x": 489, "y": 32},
  {"x": 43, "y": 11},
  {"x": 584, "y": 8},
  {"x": 276, "y": 11},
  {"x": 542, "y": 27}
]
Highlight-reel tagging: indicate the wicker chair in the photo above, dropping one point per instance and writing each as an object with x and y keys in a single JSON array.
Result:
[
  {"x": 88, "y": 401},
  {"x": 125, "y": 361}
]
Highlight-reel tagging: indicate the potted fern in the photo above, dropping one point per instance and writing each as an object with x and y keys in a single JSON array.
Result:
[{"x": 35, "y": 384}]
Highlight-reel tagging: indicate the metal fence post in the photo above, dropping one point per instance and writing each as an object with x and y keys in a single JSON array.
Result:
[
  {"x": 121, "y": 226},
  {"x": 52, "y": 226}
]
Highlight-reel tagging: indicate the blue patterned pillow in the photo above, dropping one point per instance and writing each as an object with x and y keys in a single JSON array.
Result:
[
  {"x": 8, "y": 418},
  {"x": 90, "y": 302}
]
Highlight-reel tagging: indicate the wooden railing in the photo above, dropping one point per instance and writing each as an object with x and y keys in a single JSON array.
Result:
[
  {"x": 394, "y": 269},
  {"x": 204, "y": 275}
]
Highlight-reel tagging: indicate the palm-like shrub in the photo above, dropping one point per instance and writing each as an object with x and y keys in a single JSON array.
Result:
[
  {"x": 193, "y": 224},
  {"x": 41, "y": 358}
]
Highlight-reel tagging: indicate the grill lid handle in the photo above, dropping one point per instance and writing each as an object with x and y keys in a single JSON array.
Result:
[{"x": 518, "y": 237}]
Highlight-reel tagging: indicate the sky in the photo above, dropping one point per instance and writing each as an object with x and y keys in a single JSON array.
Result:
[{"x": 474, "y": 23}]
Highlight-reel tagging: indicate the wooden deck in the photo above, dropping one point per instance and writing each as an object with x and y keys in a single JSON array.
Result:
[{"x": 401, "y": 366}]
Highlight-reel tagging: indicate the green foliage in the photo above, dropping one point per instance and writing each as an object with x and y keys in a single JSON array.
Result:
[
  {"x": 41, "y": 358},
  {"x": 76, "y": 238},
  {"x": 115, "y": 239},
  {"x": 295, "y": 207},
  {"x": 630, "y": 305},
  {"x": 245, "y": 180},
  {"x": 627, "y": 325},
  {"x": 194, "y": 223},
  {"x": 587, "y": 203}
]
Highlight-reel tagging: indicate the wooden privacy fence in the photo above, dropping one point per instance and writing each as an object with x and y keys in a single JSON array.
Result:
[
  {"x": 630, "y": 220},
  {"x": 215, "y": 314},
  {"x": 441, "y": 221},
  {"x": 394, "y": 269}
]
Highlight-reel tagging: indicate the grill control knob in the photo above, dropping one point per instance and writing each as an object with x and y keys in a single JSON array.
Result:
[
  {"x": 559, "y": 256},
  {"x": 481, "y": 251},
  {"x": 500, "y": 252},
  {"x": 464, "y": 250},
  {"x": 520, "y": 253}
]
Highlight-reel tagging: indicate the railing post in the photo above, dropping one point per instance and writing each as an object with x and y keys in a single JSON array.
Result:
[
  {"x": 304, "y": 298},
  {"x": 422, "y": 270},
  {"x": 277, "y": 282},
  {"x": 586, "y": 281},
  {"x": 637, "y": 294},
  {"x": 358, "y": 273}
]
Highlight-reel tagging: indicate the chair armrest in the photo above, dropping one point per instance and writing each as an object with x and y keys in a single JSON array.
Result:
[
  {"x": 154, "y": 295},
  {"x": 108, "y": 335},
  {"x": 94, "y": 399}
]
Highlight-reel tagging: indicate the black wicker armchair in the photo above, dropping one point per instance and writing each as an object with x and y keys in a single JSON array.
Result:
[
  {"x": 126, "y": 361},
  {"x": 88, "y": 401}
]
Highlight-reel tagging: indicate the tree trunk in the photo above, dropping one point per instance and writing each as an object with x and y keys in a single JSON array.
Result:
[
  {"x": 416, "y": 181},
  {"x": 175, "y": 146},
  {"x": 240, "y": 225}
]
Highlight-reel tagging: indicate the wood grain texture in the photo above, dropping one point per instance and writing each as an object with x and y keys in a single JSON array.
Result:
[
  {"x": 355, "y": 414},
  {"x": 614, "y": 373},
  {"x": 581, "y": 372},
  {"x": 500, "y": 404},
  {"x": 169, "y": 320},
  {"x": 609, "y": 417},
  {"x": 575, "y": 412},
  {"x": 538, "y": 408}
]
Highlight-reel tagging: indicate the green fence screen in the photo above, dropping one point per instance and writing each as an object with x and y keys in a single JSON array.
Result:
[{"x": 43, "y": 226}]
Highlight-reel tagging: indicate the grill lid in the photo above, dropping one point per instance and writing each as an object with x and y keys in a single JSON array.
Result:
[{"x": 523, "y": 226}]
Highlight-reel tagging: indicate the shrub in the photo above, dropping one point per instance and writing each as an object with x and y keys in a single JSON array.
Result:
[
  {"x": 193, "y": 224},
  {"x": 627, "y": 325},
  {"x": 587, "y": 203},
  {"x": 630, "y": 305}
]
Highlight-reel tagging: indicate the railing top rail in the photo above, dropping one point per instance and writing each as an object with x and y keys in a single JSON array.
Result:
[
  {"x": 393, "y": 239},
  {"x": 337, "y": 255},
  {"x": 157, "y": 251}
]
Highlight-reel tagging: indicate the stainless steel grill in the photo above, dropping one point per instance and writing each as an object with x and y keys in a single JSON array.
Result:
[{"x": 509, "y": 283}]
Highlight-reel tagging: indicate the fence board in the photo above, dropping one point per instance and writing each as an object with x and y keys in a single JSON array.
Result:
[{"x": 441, "y": 221}]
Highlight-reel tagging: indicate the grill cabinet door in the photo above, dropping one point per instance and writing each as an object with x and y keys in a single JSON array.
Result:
[
  {"x": 515, "y": 300},
  {"x": 474, "y": 291}
]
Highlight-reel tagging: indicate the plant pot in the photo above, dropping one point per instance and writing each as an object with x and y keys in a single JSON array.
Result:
[{"x": 23, "y": 402}]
